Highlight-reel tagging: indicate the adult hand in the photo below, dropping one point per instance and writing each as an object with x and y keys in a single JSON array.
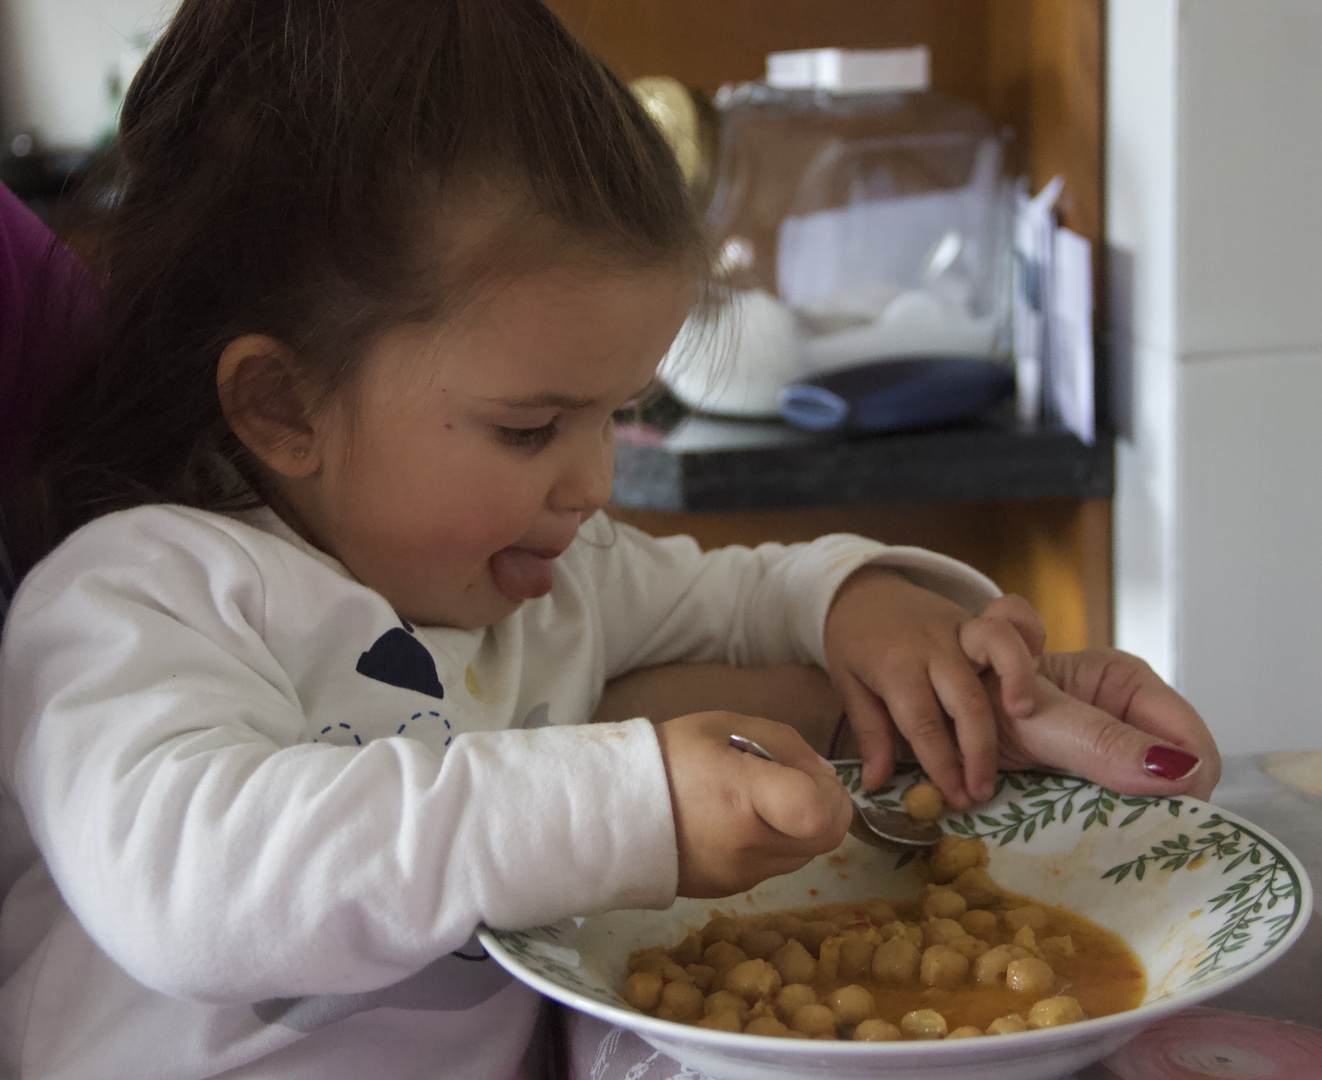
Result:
[
  {"x": 1107, "y": 715},
  {"x": 904, "y": 659},
  {"x": 740, "y": 819}
]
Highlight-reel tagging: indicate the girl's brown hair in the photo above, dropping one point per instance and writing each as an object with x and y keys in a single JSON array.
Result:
[{"x": 278, "y": 161}]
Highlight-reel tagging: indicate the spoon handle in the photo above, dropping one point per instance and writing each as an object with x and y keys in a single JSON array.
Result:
[{"x": 748, "y": 746}]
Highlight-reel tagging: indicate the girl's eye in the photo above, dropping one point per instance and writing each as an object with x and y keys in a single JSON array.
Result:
[{"x": 528, "y": 438}]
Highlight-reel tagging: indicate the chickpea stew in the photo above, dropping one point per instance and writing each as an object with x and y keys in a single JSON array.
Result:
[{"x": 966, "y": 959}]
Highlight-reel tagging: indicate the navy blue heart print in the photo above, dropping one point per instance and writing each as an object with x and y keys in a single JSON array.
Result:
[{"x": 399, "y": 659}]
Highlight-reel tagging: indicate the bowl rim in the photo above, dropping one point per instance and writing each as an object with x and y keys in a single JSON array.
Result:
[{"x": 1138, "y": 1017}]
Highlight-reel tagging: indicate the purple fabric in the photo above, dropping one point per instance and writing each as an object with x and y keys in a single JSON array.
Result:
[{"x": 45, "y": 295}]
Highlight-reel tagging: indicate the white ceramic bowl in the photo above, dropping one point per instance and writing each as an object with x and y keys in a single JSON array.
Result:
[{"x": 1205, "y": 899}]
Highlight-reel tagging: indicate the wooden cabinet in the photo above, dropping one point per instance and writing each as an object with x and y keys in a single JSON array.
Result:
[{"x": 1035, "y": 65}]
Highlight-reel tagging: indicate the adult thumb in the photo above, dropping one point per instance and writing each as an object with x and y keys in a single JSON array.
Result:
[{"x": 1072, "y": 735}]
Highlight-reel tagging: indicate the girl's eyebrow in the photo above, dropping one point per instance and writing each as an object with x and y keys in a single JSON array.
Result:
[{"x": 552, "y": 400}]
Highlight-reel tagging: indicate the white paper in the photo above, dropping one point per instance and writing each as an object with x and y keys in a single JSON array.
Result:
[{"x": 1070, "y": 377}]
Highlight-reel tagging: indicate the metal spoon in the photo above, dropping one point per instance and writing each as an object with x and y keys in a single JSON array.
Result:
[{"x": 885, "y": 828}]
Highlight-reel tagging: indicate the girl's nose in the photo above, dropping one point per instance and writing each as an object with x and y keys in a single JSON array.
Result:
[{"x": 585, "y": 484}]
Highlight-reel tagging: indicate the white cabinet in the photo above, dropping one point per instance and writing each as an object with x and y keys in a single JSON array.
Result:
[{"x": 1214, "y": 204}]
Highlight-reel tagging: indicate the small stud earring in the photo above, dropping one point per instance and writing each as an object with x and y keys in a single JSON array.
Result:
[{"x": 300, "y": 452}]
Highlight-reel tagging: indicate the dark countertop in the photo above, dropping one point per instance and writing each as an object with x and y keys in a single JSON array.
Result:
[{"x": 731, "y": 465}]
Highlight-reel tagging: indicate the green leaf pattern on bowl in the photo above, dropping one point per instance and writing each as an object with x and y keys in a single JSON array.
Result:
[{"x": 1044, "y": 798}]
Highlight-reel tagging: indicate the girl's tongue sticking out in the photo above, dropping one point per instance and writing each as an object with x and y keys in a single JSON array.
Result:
[{"x": 521, "y": 574}]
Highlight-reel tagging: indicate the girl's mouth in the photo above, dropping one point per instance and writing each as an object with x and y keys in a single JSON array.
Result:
[{"x": 521, "y": 574}]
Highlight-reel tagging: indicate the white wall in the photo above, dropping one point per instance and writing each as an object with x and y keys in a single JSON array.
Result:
[
  {"x": 1215, "y": 188},
  {"x": 1140, "y": 214},
  {"x": 55, "y": 59}
]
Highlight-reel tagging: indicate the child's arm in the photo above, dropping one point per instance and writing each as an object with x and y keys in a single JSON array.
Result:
[
  {"x": 1100, "y": 712},
  {"x": 894, "y": 627},
  {"x": 799, "y": 695}
]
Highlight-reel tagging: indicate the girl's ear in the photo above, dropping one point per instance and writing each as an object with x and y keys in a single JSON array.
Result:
[{"x": 260, "y": 396}]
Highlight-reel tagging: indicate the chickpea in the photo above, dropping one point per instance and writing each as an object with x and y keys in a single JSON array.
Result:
[
  {"x": 976, "y": 886},
  {"x": 828, "y": 959},
  {"x": 879, "y": 911},
  {"x": 814, "y": 933},
  {"x": 1062, "y": 947},
  {"x": 722, "y": 928},
  {"x": 722, "y": 1021},
  {"x": 941, "y": 931},
  {"x": 658, "y": 963},
  {"x": 724, "y": 1000},
  {"x": 1030, "y": 976},
  {"x": 979, "y": 923},
  {"x": 968, "y": 1031},
  {"x": 648, "y": 959},
  {"x": 855, "y": 956},
  {"x": 943, "y": 966},
  {"x": 788, "y": 926},
  {"x": 1007, "y": 1025},
  {"x": 752, "y": 980},
  {"x": 723, "y": 956},
  {"x": 794, "y": 996},
  {"x": 1032, "y": 915},
  {"x": 688, "y": 951},
  {"x": 703, "y": 976},
  {"x": 760, "y": 944},
  {"x": 766, "y": 1025},
  {"x": 681, "y": 1002},
  {"x": 794, "y": 963},
  {"x": 955, "y": 854},
  {"x": 876, "y": 1031},
  {"x": 1054, "y": 1011},
  {"x": 914, "y": 932},
  {"x": 813, "y": 1020},
  {"x": 1025, "y": 938},
  {"x": 851, "y": 1004},
  {"x": 924, "y": 802},
  {"x": 971, "y": 947},
  {"x": 895, "y": 961},
  {"x": 642, "y": 990},
  {"x": 991, "y": 965},
  {"x": 943, "y": 903},
  {"x": 924, "y": 1024}
]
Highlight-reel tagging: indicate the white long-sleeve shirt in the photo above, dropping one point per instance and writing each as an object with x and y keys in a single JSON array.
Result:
[{"x": 251, "y": 818}]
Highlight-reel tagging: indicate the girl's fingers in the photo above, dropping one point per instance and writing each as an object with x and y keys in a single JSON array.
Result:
[
  {"x": 814, "y": 809},
  {"x": 918, "y": 715},
  {"x": 964, "y": 698},
  {"x": 1018, "y": 611},
  {"x": 873, "y": 731},
  {"x": 998, "y": 644}
]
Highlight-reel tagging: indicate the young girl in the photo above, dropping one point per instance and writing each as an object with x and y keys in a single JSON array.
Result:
[{"x": 298, "y": 702}]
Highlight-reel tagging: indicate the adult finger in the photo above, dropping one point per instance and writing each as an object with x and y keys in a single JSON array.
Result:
[
  {"x": 964, "y": 698},
  {"x": 918, "y": 716},
  {"x": 1070, "y": 734},
  {"x": 1126, "y": 687},
  {"x": 997, "y": 644}
]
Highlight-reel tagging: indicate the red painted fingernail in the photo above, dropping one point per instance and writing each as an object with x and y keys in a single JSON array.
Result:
[{"x": 1169, "y": 763}]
